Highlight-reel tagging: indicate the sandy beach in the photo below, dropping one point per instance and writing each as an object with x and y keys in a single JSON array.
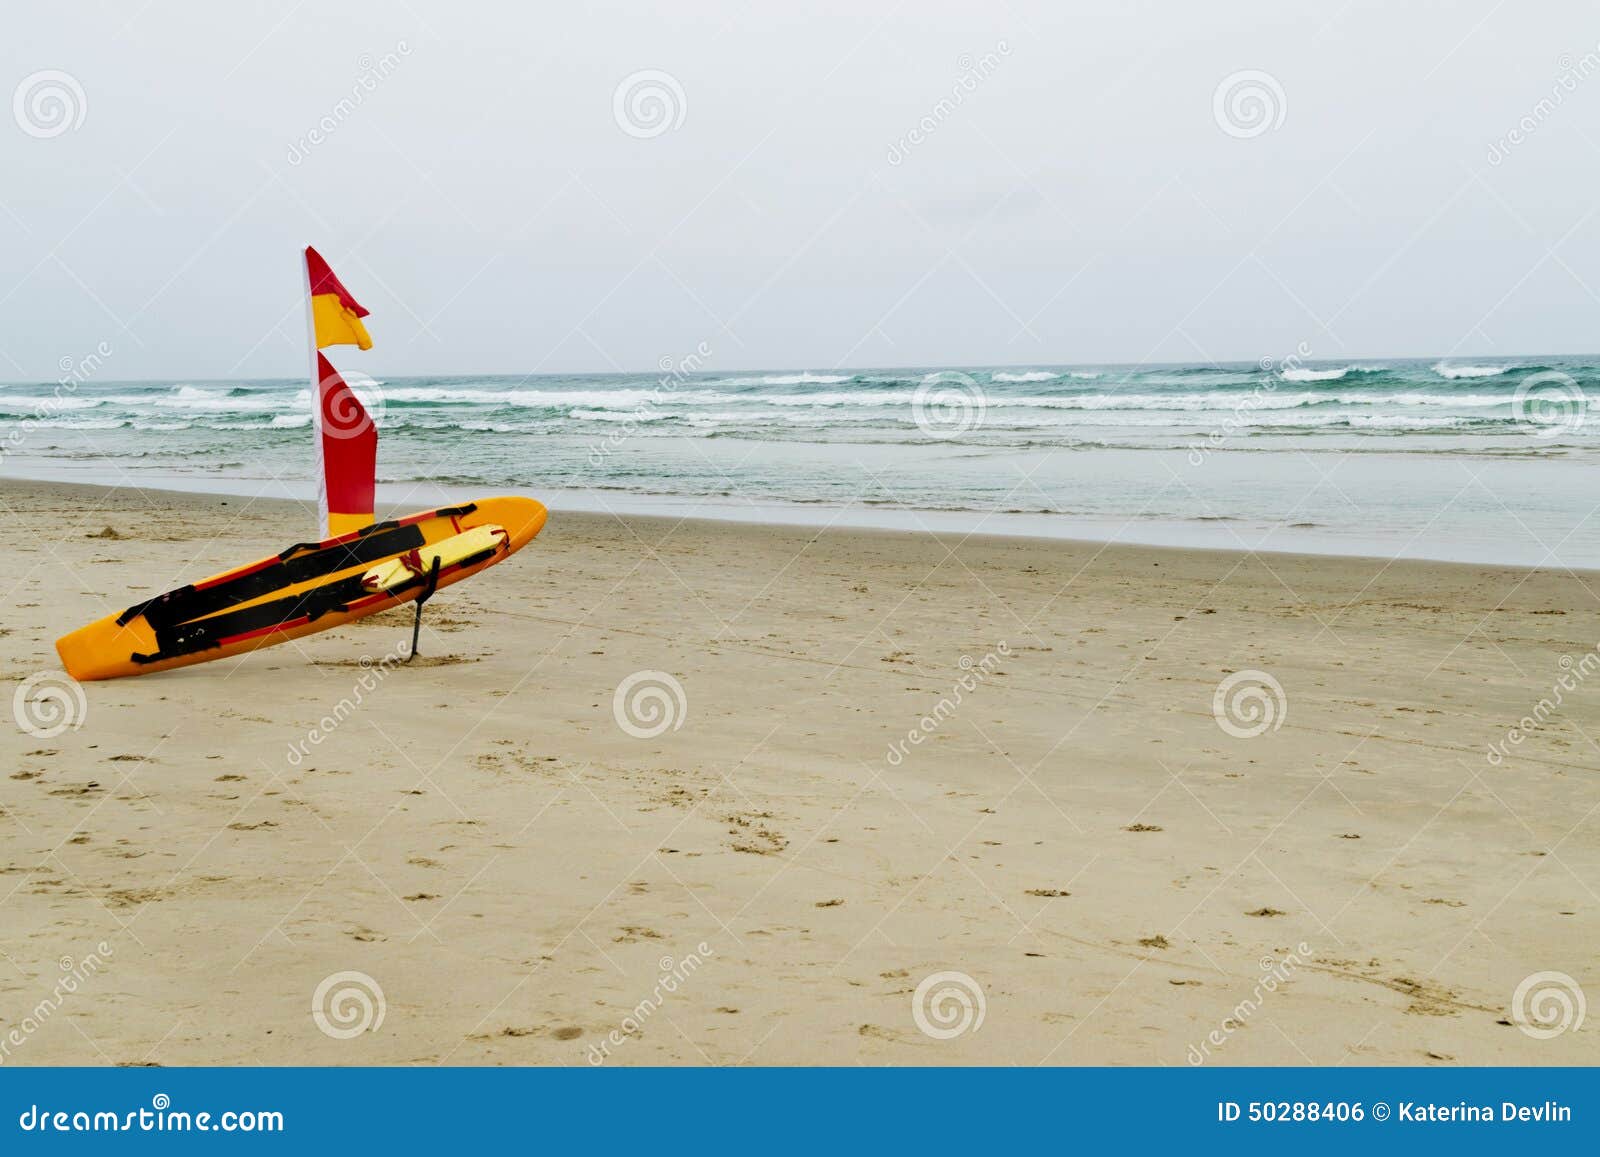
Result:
[{"x": 767, "y": 880}]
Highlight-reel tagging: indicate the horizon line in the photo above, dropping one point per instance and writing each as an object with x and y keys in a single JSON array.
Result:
[{"x": 927, "y": 367}]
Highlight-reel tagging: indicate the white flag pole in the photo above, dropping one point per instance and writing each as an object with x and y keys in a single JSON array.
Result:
[{"x": 323, "y": 530}]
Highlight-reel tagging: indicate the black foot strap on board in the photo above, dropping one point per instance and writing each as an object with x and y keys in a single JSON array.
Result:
[{"x": 428, "y": 588}]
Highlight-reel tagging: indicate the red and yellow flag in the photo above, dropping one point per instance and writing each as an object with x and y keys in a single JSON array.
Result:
[
  {"x": 335, "y": 315},
  {"x": 346, "y": 439},
  {"x": 348, "y": 444}
]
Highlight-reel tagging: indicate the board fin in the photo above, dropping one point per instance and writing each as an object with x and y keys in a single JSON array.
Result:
[{"x": 428, "y": 587}]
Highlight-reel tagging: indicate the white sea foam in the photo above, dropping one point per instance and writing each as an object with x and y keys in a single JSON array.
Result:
[
  {"x": 29, "y": 404},
  {"x": 627, "y": 404},
  {"x": 1403, "y": 422},
  {"x": 1029, "y": 376},
  {"x": 806, "y": 379},
  {"x": 193, "y": 399},
  {"x": 625, "y": 398},
  {"x": 1466, "y": 401},
  {"x": 801, "y": 379},
  {"x": 1453, "y": 372},
  {"x": 647, "y": 414},
  {"x": 1304, "y": 374},
  {"x": 89, "y": 424}
]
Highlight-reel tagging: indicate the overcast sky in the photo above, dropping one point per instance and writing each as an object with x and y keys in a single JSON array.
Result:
[{"x": 1083, "y": 195}]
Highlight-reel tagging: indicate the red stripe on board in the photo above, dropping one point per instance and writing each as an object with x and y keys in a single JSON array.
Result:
[
  {"x": 232, "y": 639},
  {"x": 241, "y": 572},
  {"x": 422, "y": 516},
  {"x": 349, "y": 608}
]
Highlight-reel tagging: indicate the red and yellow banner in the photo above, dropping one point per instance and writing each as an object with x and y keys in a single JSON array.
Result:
[
  {"x": 348, "y": 440},
  {"x": 336, "y": 315}
]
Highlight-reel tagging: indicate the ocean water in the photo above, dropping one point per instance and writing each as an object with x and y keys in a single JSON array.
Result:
[{"x": 1472, "y": 459}]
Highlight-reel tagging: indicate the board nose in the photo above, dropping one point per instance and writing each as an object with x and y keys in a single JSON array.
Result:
[
  {"x": 522, "y": 517},
  {"x": 77, "y": 655}
]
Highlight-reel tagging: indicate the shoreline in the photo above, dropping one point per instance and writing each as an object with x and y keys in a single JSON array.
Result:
[{"x": 1219, "y": 535}]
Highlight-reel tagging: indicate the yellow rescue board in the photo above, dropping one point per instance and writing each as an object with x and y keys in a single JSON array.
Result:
[{"x": 310, "y": 587}]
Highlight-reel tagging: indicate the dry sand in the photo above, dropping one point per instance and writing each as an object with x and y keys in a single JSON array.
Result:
[{"x": 1078, "y": 835}]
